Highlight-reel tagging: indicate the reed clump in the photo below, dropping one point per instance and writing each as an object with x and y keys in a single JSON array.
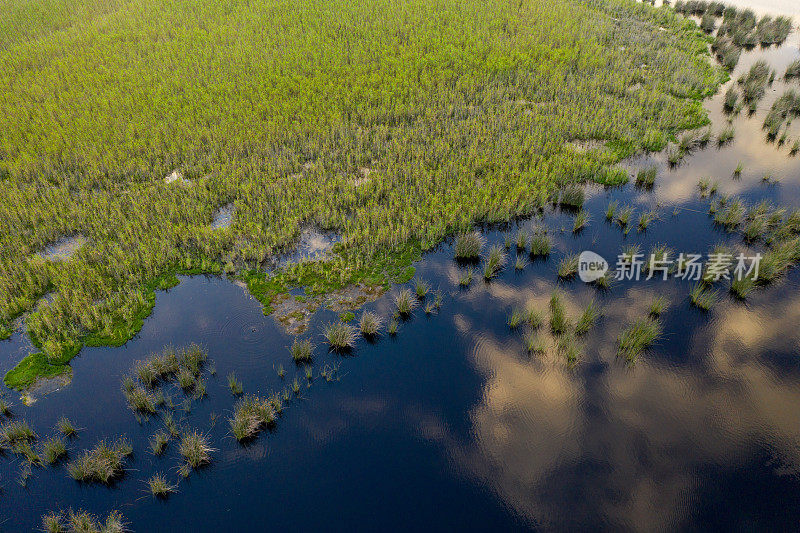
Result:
[
  {"x": 102, "y": 464},
  {"x": 370, "y": 324},
  {"x": 159, "y": 487},
  {"x": 301, "y": 350},
  {"x": 637, "y": 337},
  {"x": 250, "y": 416},
  {"x": 78, "y": 521},
  {"x": 340, "y": 336},
  {"x": 195, "y": 450}
]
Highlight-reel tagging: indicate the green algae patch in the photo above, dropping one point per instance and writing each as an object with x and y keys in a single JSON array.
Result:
[{"x": 32, "y": 368}]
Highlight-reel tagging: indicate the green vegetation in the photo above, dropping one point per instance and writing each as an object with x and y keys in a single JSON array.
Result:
[
  {"x": 53, "y": 449},
  {"x": 793, "y": 70},
  {"x": 658, "y": 306},
  {"x": 469, "y": 245},
  {"x": 637, "y": 337},
  {"x": 494, "y": 262},
  {"x": 159, "y": 486},
  {"x": 82, "y": 522},
  {"x": 754, "y": 83},
  {"x": 703, "y": 297},
  {"x": 559, "y": 323},
  {"x": 587, "y": 319},
  {"x": 405, "y": 302},
  {"x": 159, "y": 441},
  {"x": 540, "y": 245},
  {"x": 784, "y": 109},
  {"x": 102, "y": 463},
  {"x": 581, "y": 221},
  {"x": 194, "y": 449},
  {"x": 646, "y": 177},
  {"x": 66, "y": 427},
  {"x": 568, "y": 267},
  {"x": 340, "y": 336},
  {"x": 466, "y": 277},
  {"x": 234, "y": 384},
  {"x": 516, "y": 318},
  {"x": 731, "y": 99},
  {"x": 370, "y": 324},
  {"x": 421, "y": 287},
  {"x": 301, "y": 350},
  {"x": 288, "y": 108},
  {"x": 250, "y": 415}
]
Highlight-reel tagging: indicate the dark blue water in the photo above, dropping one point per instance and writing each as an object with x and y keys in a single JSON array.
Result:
[{"x": 451, "y": 424}]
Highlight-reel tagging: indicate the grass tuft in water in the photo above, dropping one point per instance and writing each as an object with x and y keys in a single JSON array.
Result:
[
  {"x": 637, "y": 337},
  {"x": 421, "y": 288},
  {"x": 469, "y": 245},
  {"x": 194, "y": 449},
  {"x": 466, "y": 277},
  {"x": 494, "y": 262},
  {"x": 405, "y": 302},
  {"x": 250, "y": 415},
  {"x": 301, "y": 350},
  {"x": 102, "y": 463},
  {"x": 540, "y": 245},
  {"x": 341, "y": 336},
  {"x": 611, "y": 210},
  {"x": 658, "y": 306},
  {"x": 159, "y": 486},
  {"x": 646, "y": 178},
  {"x": 559, "y": 323},
  {"x": 516, "y": 318},
  {"x": 370, "y": 324},
  {"x": 568, "y": 267},
  {"x": 587, "y": 319},
  {"x": 159, "y": 441},
  {"x": 66, "y": 427},
  {"x": 14, "y": 432},
  {"x": 534, "y": 342},
  {"x": 581, "y": 221},
  {"x": 702, "y": 297},
  {"x": 53, "y": 449},
  {"x": 82, "y": 522},
  {"x": 234, "y": 384}
]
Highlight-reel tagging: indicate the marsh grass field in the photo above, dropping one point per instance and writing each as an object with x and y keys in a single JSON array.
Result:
[
  {"x": 394, "y": 124},
  {"x": 405, "y": 187}
]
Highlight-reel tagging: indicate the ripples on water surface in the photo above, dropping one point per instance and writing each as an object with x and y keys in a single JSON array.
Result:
[{"x": 451, "y": 424}]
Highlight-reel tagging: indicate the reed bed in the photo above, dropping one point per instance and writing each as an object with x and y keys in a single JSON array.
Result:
[{"x": 158, "y": 169}]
